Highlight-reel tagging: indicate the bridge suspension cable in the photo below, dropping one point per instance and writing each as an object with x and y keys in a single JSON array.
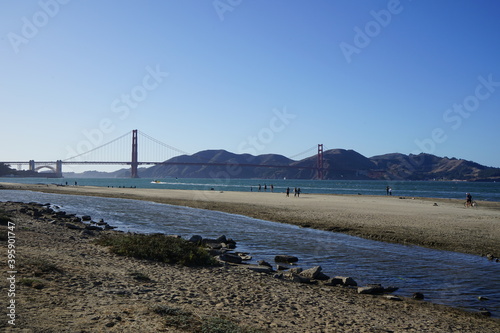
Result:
[
  {"x": 118, "y": 150},
  {"x": 303, "y": 153},
  {"x": 162, "y": 143},
  {"x": 97, "y": 148}
]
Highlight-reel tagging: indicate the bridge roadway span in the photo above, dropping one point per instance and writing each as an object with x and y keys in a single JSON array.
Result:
[{"x": 166, "y": 163}]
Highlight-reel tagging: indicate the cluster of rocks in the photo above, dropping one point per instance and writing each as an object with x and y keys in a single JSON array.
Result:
[
  {"x": 286, "y": 270},
  {"x": 491, "y": 257},
  {"x": 59, "y": 217},
  {"x": 315, "y": 275},
  {"x": 221, "y": 247}
]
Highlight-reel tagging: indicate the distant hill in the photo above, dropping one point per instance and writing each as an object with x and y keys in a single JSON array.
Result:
[
  {"x": 98, "y": 174},
  {"x": 244, "y": 166},
  {"x": 338, "y": 164}
]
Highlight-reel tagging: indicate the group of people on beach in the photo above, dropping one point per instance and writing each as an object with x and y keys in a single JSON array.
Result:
[
  {"x": 296, "y": 192},
  {"x": 388, "y": 190},
  {"x": 265, "y": 188}
]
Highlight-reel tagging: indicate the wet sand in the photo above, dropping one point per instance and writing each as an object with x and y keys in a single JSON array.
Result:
[{"x": 435, "y": 223}]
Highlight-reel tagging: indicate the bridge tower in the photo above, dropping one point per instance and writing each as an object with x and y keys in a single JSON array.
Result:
[
  {"x": 31, "y": 165},
  {"x": 134, "y": 164},
  {"x": 319, "y": 170},
  {"x": 59, "y": 169}
]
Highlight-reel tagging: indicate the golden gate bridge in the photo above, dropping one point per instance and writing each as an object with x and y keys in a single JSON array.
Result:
[{"x": 111, "y": 153}]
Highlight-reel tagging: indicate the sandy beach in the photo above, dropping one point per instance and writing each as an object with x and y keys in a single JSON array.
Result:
[
  {"x": 434, "y": 223},
  {"x": 64, "y": 282}
]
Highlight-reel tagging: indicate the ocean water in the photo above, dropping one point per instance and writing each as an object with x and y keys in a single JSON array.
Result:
[{"x": 431, "y": 189}]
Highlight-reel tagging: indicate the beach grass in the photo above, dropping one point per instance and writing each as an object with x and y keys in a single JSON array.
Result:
[
  {"x": 4, "y": 217},
  {"x": 31, "y": 282},
  {"x": 4, "y": 221},
  {"x": 41, "y": 266},
  {"x": 139, "y": 276},
  {"x": 185, "y": 320},
  {"x": 222, "y": 325},
  {"x": 157, "y": 247}
]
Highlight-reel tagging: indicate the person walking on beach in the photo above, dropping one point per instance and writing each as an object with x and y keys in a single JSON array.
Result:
[
  {"x": 298, "y": 192},
  {"x": 387, "y": 190},
  {"x": 390, "y": 190},
  {"x": 468, "y": 198},
  {"x": 287, "y": 191}
]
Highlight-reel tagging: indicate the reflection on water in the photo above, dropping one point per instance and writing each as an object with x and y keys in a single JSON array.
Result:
[{"x": 443, "y": 277}]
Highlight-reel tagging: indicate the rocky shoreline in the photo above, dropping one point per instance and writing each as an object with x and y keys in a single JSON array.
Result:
[{"x": 66, "y": 283}]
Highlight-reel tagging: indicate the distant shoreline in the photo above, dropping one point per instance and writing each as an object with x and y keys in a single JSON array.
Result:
[
  {"x": 80, "y": 176},
  {"x": 481, "y": 191},
  {"x": 435, "y": 223}
]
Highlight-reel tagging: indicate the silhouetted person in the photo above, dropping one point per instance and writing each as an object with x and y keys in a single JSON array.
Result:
[{"x": 468, "y": 198}]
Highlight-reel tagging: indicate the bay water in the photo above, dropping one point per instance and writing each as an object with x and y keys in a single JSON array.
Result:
[{"x": 489, "y": 191}]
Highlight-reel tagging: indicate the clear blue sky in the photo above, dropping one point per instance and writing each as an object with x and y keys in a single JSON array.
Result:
[{"x": 252, "y": 76}]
